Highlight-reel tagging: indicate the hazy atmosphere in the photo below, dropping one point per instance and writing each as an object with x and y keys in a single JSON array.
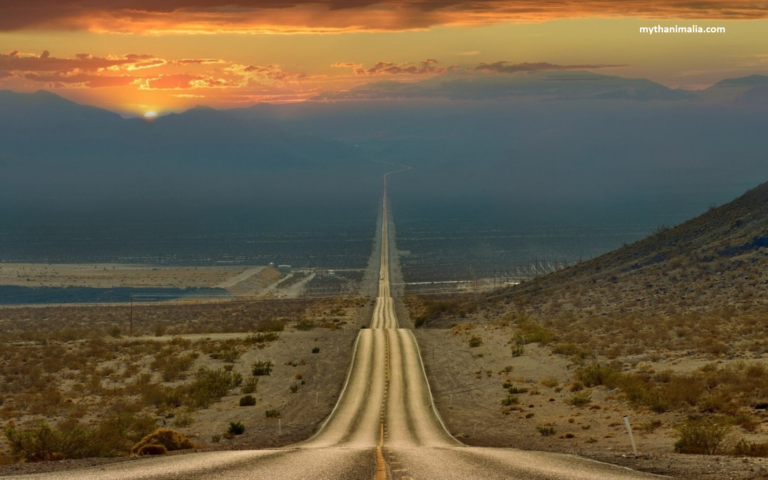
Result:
[{"x": 388, "y": 239}]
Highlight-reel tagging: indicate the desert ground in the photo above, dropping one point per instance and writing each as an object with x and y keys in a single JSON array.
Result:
[
  {"x": 494, "y": 390},
  {"x": 86, "y": 373}
]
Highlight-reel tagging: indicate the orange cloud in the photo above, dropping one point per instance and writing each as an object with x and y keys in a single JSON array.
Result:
[
  {"x": 14, "y": 61},
  {"x": 85, "y": 80},
  {"x": 184, "y": 81},
  {"x": 197, "y": 61},
  {"x": 291, "y": 16},
  {"x": 506, "y": 67}
]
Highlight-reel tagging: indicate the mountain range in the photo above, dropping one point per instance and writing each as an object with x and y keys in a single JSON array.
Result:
[{"x": 576, "y": 142}]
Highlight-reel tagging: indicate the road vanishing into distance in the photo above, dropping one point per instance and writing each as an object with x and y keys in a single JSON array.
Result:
[{"x": 384, "y": 426}]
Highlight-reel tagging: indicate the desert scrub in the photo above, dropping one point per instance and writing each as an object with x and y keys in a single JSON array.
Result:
[
  {"x": 236, "y": 428},
  {"x": 262, "y": 368},
  {"x": 580, "y": 399},
  {"x": 545, "y": 430},
  {"x": 550, "y": 382},
  {"x": 250, "y": 385},
  {"x": 475, "y": 341},
  {"x": 248, "y": 401},
  {"x": 166, "y": 438},
  {"x": 273, "y": 413},
  {"x": 305, "y": 324},
  {"x": 749, "y": 449},
  {"x": 598, "y": 374},
  {"x": 210, "y": 385},
  {"x": 528, "y": 331},
  {"x": 261, "y": 338},
  {"x": 703, "y": 436},
  {"x": 172, "y": 364},
  {"x": 228, "y": 354},
  {"x": 270, "y": 326},
  {"x": 510, "y": 400},
  {"x": 44, "y": 443}
]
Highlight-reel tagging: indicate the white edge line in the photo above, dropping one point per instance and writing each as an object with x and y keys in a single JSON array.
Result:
[
  {"x": 429, "y": 389},
  {"x": 343, "y": 391}
]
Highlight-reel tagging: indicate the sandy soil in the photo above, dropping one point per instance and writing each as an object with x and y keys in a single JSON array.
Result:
[
  {"x": 322, "y": 374},
  {"x": 467, "y": 385},
  {"x": 113, "y": 275}
]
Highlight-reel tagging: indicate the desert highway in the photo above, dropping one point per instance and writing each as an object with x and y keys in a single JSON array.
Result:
[{"x": 384, "y": 426}]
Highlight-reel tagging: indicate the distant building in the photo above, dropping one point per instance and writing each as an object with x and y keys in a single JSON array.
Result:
[
  {"x": 284, "y": 268},
  {"x": 331, "y": 274}
]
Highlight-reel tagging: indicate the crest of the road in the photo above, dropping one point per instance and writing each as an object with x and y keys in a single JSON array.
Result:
[{"x": 384, "y": 426}]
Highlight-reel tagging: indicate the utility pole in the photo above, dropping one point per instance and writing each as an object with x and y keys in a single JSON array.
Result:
[{"x": 130, "y": 332}]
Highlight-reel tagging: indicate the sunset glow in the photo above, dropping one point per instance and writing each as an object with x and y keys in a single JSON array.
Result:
[{"x": 175, "y": 54}]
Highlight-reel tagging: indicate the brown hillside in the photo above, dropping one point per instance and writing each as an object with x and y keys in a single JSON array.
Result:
[{"x": 715, "y": 261}]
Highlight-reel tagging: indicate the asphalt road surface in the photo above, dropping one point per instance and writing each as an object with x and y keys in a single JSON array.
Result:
[{"x": 384, "y": 426}]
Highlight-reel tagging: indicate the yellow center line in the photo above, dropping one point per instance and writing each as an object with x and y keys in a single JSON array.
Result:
[{"x": 381, "y": 466}]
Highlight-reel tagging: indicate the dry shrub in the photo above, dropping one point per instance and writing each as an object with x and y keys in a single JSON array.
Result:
[
  {"x": 750, "y": 449},
  {"x": 702, "y": 436},
  {"x": 167, "y": 438},
  {"x": 580, "y": 399},
  {"x": 45, "y": 443},
  {"x": 151, "y": 449}
]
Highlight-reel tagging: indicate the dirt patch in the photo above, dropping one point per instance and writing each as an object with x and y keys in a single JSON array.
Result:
[
  {"x": 113, "y": 275},
  {"x": 470, "y": 383}
]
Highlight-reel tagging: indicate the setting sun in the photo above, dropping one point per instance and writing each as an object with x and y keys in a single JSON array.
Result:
[{"x": 150, "y": 115}]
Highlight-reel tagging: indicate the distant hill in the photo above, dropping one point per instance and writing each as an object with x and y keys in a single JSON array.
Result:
[
  {"x": 42, "y": 123},
  {"x": 571, "y": 85},
  {"x": 698, "y": 289},
  {"x": 717, "y": 261},
  {"x": 751, "y": 90},
  {"x": 53, "y": 152}
]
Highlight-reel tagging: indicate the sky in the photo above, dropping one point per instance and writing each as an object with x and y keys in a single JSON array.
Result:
[{"x": 141, "y": 56}]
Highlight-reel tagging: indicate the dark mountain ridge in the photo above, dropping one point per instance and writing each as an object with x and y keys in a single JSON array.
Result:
[{"x": 712, "y": 262}]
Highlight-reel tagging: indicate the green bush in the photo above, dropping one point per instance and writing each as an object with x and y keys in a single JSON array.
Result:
[
  {"x": 236, "y": 428},
  {"x": 248, "y": 401},
  {"x": 598, "y": 374},
  {"x": 546, "y": 431},
  {"x": 273, "y": 413},
  {"x": 702, "y": 436},
  {"x": 45, "y": 443},
  {"x": 262, "y": 368},
  {"x": 510, "y": 400},
  {"x": 316, "y": 350},
  {"x": 210, "y": 385},
  {"x": 475, "y": 342}
]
